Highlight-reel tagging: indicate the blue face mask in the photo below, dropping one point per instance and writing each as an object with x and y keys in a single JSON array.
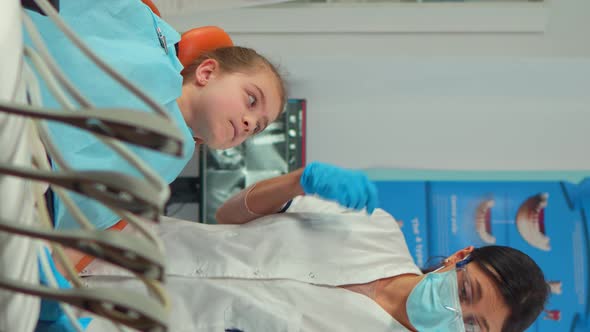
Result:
[{"x": 434, "y": 305}]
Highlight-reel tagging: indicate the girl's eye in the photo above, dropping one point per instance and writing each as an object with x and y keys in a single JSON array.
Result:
[{"x": 251, "y": 100}]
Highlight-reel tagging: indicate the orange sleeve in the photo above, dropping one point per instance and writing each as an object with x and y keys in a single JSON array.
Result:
[
  {"x": 199, "y": 40},
  {"x": 86, "y": 259}
]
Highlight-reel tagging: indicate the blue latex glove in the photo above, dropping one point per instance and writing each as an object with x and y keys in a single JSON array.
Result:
[
  {"x": 349, "y": 188},
  {"x": 51, "y": 317}
]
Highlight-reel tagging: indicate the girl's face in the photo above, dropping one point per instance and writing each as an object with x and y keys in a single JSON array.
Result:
[{"x": 227, "y": 108}]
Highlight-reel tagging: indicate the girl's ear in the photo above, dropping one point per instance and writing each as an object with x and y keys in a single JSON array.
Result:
[{"x": 205, "y": 71}]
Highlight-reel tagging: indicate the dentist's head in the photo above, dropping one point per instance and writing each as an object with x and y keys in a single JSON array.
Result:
[{"x": 494, "y": 288}]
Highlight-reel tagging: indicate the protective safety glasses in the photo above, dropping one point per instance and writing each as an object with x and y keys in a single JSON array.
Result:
[
  {"x": 456, "y": 294},
  {"x": 466, "y": 295}
]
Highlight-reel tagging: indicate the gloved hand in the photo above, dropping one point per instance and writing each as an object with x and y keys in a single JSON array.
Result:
[{"x": 350, "y": 188}]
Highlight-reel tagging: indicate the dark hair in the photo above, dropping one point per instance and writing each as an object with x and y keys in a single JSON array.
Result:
[
  {"x": 238, "y": 59},
  {"x": 520, "y": 281}
]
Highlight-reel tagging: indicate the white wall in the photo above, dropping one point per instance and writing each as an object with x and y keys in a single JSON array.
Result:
[{"x": 441, "y": 100}]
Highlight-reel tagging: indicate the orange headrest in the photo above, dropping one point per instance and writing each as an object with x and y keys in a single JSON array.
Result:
[
  {"x": 153, "y": 7},
  {"x": 196, "y": 41}
]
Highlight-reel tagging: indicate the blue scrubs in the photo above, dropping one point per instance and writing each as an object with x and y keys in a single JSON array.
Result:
[{"x": 123, "y": 33}]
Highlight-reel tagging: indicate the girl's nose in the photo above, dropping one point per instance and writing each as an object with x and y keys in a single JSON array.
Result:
[{"x": 249, "y": 124}]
